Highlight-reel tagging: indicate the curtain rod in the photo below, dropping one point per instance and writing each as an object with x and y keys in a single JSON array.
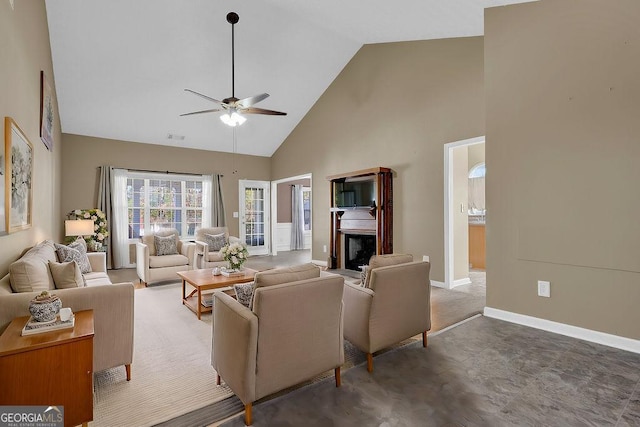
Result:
[{"x": 165, "y": 172}]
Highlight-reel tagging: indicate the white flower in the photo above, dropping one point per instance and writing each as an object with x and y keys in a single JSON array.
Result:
[
  {"x": 102, "y": 224},
  {"x": 100, "y": 236},
  {"x": 240, "y": 255},
  {"x": 93, "y": 217},
  {"x": 86, "y": 215},
  {"x": 77, "y": 212}
]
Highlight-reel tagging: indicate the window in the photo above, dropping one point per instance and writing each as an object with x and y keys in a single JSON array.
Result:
[
  {"x": 164, "y": 201},
  {"x": 306, "y": 206}
]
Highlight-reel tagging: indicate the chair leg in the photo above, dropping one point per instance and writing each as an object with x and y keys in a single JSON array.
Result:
[
  {"x": 218, "y": 379},
  {"x": 247, "y": 414},
  {"x": 424, "y": 339},
  {"x": 127, "y": 368},
  {"x": 369, "y": 362},
  {"x": 337, "y": 374}
]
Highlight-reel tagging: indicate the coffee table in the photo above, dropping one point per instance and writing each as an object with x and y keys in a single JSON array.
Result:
[{"x": 204, "y": 280}]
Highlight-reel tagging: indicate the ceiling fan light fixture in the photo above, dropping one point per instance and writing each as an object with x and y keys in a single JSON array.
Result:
[{"x": 234, "y": 119}]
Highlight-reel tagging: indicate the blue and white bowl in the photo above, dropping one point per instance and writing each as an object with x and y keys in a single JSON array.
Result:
[{"x": 45, "y": 310}]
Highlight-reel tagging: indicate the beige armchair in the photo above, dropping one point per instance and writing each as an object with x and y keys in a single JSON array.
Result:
[
  {"x": 206, "y": 256},
  {"x": 153, "y": 266},
  {"x": 292, "y": 333},
  {"x": 392, "y": 305}
]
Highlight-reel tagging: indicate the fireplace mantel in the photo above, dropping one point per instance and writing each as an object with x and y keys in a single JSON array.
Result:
[{"x": 371, "y": 215}]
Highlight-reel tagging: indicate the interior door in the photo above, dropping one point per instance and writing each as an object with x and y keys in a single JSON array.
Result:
[{"x": 254, "y": 216}]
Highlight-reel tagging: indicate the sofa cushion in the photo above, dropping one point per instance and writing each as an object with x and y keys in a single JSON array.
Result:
[
  {"x": 215, "y": 241},
  {"x": 165, "y": 245},
  {"x": 149, "y": 239},
  {"x": 76, "y": 251},
  {"x": 66, "y": 275},
  {"x": 384, "y": 261},
  {"x": 167, "y": 261},
  {"x": 286, "y": 275},
  {"x": 97, "y": 278},
  {"x": 31, "y": 272}
]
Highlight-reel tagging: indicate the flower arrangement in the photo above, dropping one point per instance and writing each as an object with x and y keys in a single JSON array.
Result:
[
  {"x": 100, "y": 232},
  {"x": 235, "y": 254}
]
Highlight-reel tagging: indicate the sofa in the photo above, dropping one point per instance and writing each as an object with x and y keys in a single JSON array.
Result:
[
  {"x": 153, "y": 266},
  {"x": 112, "y": 304},
  {"x": 393, "y": 304},
  {"x": 291, "y": 333},
  {"x": 209, "y": 241}
]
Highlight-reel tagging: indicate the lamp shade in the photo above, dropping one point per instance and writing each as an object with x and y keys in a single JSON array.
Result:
[{"x": 78, "y": 227}]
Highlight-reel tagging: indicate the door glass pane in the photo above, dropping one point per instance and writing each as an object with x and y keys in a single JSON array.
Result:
[{"x": 254, "y": 216}]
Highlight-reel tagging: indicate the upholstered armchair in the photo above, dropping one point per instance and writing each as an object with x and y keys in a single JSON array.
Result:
[
  {"x": 291, "y": 333},
  {"x": 209, "y": 241},
  {"x": 393, "y": 304},
  {"x": 161, "y": 255}
]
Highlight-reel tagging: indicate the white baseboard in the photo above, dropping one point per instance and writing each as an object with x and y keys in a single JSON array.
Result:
[
  {"x": 438, "y": 284},
  {"x": 461, "y": 282},
  {"x": 320, "y": 263},
  {"x": 610, "y": 340}
]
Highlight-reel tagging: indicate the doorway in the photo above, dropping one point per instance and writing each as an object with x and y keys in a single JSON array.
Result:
[
  {"x": 254, "y": 213},
  {"x": 454, "y": 209},
  {"x": 281, "y": 212}
]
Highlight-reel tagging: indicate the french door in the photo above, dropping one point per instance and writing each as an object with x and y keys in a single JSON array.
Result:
[{"x": 254, "y": 216}]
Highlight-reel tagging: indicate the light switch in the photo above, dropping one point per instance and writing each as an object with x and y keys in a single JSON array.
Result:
[{"x": 235, "y": 215}]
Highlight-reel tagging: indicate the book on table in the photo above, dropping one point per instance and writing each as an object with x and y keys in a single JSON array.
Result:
[
  {"x": 232, "y": 273},
  {"x": 33, "y": 327}
]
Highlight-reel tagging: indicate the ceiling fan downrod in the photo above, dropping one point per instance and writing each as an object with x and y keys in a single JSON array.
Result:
[{"x": 233, "y": 18}]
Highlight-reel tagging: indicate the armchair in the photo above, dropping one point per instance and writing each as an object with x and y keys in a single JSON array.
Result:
[
  {"x": 153, "y": 267},
  {"x": 292, "y": 333},
  {"x": 392, "y": 305},
  {"x": 206, "y": 256}
]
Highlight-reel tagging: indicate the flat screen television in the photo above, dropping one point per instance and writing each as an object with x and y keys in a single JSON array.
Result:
[{"x": 355, "y": 194}]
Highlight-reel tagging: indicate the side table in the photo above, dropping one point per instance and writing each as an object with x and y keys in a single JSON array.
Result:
[{"x": 50, "y": 369}]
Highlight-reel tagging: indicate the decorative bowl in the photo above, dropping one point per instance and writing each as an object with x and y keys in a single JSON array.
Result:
[{"x": 45, "y": 307}]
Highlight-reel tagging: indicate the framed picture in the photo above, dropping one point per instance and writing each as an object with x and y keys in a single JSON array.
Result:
[
  {"x": 18, "y": 177},
  {"x": 46, "y": 112}
]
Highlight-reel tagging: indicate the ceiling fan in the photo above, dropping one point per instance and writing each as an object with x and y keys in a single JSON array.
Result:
[{"x": 232, "y": 106}]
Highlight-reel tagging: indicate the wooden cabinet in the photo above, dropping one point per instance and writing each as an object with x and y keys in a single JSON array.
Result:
[
  {"x": 477, "y": 246},
  {"x": 361, "y": 213},
  {"x": 52, "y": 368}
]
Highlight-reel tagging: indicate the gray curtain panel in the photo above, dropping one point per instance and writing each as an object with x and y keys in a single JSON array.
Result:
[
  {"x": 104, "y": 204},
  {"x": 297, "y": 218},
  {"x": 218, "y": 215}
]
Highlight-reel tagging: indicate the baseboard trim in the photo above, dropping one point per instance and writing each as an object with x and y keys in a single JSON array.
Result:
[
  {"x": 461, "y": 282},
  {"x": 438, "y": 284},
  {"x": 603, "y": 338},
  {"x": 320, "y": 263}
]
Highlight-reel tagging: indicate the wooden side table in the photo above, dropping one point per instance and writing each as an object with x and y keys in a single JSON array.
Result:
[{"x": 52, "y": 368}]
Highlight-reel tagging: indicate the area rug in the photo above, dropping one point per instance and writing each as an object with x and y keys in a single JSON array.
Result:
[{"x": 171, "y": 372}]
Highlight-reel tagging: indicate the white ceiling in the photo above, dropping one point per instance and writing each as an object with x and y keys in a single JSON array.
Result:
[{"x": 121, "y": 66}]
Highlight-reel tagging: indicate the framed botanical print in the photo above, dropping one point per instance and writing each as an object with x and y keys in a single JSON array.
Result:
[{"x": 18, "y": 177}]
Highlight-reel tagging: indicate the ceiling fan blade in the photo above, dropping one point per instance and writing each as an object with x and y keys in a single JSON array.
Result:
[
  {"x": 248, "y": 102},
  {"x": 254, "y": 110},
  {"x": 201, "y": 112},
  {"x": 204, "y": 96}
]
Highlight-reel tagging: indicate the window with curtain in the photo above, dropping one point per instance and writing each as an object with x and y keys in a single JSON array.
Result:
[{"x": 166, "y": 201}]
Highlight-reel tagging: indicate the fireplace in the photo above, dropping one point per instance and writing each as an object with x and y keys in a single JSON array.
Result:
[{"x": 358, "y": 248}]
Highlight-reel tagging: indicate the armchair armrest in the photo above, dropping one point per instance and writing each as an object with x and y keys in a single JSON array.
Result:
[
  {"x": 142, "y": 261},
  {"x": 201, "y": 250},
  {"x": 234, "y": 345},
  {"x": 98, "y": 261},
  {"x": 187, "y": 249},
  {"x": 357, "y": 308}
]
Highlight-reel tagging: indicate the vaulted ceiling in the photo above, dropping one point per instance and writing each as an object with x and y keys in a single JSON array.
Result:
[{"x": 121, "y": 66}]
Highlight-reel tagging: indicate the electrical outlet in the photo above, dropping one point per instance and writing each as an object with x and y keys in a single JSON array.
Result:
[
  {"x": 324, "y": 249},
  {"x": 235, "y": 215},
  {"x": 425, "y": 258},
  {"x": 544, "y": 288}
]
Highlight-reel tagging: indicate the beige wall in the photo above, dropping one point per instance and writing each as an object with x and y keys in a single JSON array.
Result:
[
  {"x": 24, "y": 52},
  {"x": 562, "y": 154},
  {"x": 476, "y": 154},
  {"x": 82, "y": 155},
  {"x": 284, "y": 198},
  {"x": 394, "y": 105},
  {"x": 460, "y": 184}
]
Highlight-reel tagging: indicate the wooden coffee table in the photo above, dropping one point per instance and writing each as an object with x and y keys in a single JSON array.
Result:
[{"x": 204, "y": 280}]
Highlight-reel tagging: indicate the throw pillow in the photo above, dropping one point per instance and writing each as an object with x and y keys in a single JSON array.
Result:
[
  {"x": 166, "y": 245},
  {"x": 66, "y": 275},
  {"x": 244, "y": 293},
  {"x": 76, "y": 251},
  {"x": 215, "y": 241}
]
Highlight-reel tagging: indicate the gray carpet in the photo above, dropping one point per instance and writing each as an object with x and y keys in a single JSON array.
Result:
[{"x": 484, "y": 372}]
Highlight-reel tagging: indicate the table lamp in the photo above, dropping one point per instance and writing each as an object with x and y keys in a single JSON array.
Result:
[{"x": 78, "y": 227}]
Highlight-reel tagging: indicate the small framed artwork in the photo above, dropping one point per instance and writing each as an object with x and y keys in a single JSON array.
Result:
[
  {"x": 18, "y": 177},
  {"x": 46, "y": 112}
]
